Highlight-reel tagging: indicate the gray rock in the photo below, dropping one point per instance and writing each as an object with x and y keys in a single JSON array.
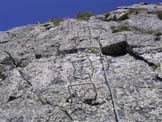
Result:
[
  {"x": 116, "y": 16},
  {"x": 57, "y": 73}
]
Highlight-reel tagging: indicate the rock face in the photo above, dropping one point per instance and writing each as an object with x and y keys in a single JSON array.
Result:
[{"x": 106, "y": 69}]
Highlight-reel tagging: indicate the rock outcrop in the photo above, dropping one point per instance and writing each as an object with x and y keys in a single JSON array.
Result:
[{"x": 105, "y": 69}]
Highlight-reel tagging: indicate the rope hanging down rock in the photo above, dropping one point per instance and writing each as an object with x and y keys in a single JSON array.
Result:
[{"x": 108, "y": 83}]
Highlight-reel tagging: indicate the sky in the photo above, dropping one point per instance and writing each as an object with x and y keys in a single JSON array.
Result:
[{"x": 15, "y": 13}]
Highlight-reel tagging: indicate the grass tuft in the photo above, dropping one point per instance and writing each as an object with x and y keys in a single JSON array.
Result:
[
  {"x": 56, "y": 22},
  {"x": 84, "y": 15},
  {"x": 127, "y": 27},
  {"x": 92, "y": 50}
]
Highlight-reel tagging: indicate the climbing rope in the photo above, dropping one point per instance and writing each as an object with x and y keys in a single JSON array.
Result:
[
  {"x": 105, "y": 76},
  {"x": 108, "y": 83}
]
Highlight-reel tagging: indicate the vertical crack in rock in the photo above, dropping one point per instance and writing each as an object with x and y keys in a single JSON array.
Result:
[
  {"x": 2, "y": 74},
  {"x": 68, "y": 115},
  {"x": 24, "y": 77},
  {"x": 120, "y": 49}
]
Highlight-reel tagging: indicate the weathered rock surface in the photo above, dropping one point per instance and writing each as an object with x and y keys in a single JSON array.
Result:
[{"x": 54, "y": 73}]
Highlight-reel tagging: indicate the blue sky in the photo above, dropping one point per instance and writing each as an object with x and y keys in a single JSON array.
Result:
[{"x": 21, "y": 12}]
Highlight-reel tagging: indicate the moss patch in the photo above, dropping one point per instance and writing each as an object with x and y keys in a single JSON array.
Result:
[
  {"x": 155, "y": 66},
  {"x": 92, "y": 50},
  {"x": 84, "y": 16},
  {"x": 55, "y": 22},
  {"x": 127, "y": 27}
]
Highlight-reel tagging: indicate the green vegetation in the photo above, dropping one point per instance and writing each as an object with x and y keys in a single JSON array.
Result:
[
  {"x": 124, "y": 27},
  {"x": 127, "y": 27},
  {"x": 92, "y": 50},
  {"x": 155, "y": 66},
  {"x": 159, "y": 14},
  {"x": 149, "y": 31},
  {"x": 56, "y": 22},
  {"x": 84, "y": 16}
]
